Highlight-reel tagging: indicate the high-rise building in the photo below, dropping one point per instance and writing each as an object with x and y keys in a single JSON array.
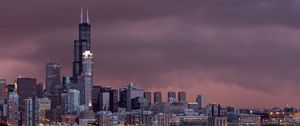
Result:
[
  {"x": 3, "y": 93},
  {"x": 13, "y": 109},
  {"x": 31, "y": 114},
  {"x": 113, "y": 104},
  {"x": 39, "y": 90},
  {"x": 104, "y": 101},
  {"x": 87, "y": 77},
  {"x": 95, "y": 96},
  {"x": 44, "y": 105},
  {"x": 53, "y": 82},
  {"x": 213, "y": 110},
  {"x": 81, "y": 45},
  {"x": 74, "y": 100},
  {"x": 171, "y": 96},
  {"x": 25, "y": 89},
  {"x": 200, "y": 101},
  {"x": 182, "y": 96},
  {"x": 157, "y": 97},
  {"x": 128, "y": 93},
  {"x": 147, "y": 96}
]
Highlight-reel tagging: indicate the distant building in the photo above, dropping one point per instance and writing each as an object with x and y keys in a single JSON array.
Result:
[
  {"x": 182, "y": 96},
  {"x": 214, "y": 110},
  {"x": 86, "y": 77},
  {"x": 25, "y": 89},
  {"x": 128, "y": 93},
  {"x": 3, "y": 93},
  {"x": 44, "y": 105},
  {"x": 31, "y": 114},
  {"x": 39, "y": 90},
  {"x": 53, "y": 82},
  {"x": 73, "y": 101},
  {"x": 113, "y": 102},
  {"x": 104, "y": 118},
  {"x": 147, "y": 96},
  {"x": 164, "y": 119},
  {"x": 171, "y": 96},
  {"x": 217, "y": 121},
  {"x": 157, "y": 97},
  {"x": 13, "y": 109},
  {"x": 200, "y": 101}
]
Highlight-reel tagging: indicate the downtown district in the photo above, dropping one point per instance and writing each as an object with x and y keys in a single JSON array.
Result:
[{"x": 73, "y": 100}]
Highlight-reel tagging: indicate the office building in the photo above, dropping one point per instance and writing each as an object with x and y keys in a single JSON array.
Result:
[
  {"x": 3, "y": 93},
  {"x": 39, "y": 90},
  {"x": 26, "y": 88},
  {"x": 53, "y": 82},
  {"x": 86, "y": 78},
  {"x": 44, "y": 105},
  {"x": 200, "y": 101},
  {"x": 214, "y": 110},
  {"x": 157, "y": 97},
  {"x": 128, "y": 93},
  {"x": 81, "y": 45},
  {"x": 31, "y": 114},
  {"x": 113, "y": 104},
  {"x": 74, "y": 100},
  {"x": 13, "y": 108},
  {"x": 182, "y": 96},
  {"x": 171, "y": 96},
  {"x": 147, "y": 96}
]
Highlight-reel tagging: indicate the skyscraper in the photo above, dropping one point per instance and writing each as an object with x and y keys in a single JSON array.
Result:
[
  {"x": 113, "y": 104},
  {"x": 31, "y": 113},
  {"x": 13, "y": 109},
  {"x": 87, "y": 77},
  {"x": 147, "y": 96},
  {"x": 53, "y": 82},
  {"x": 171, "y": 96},
  {"x": 39, "y": 90},
  {"x": 182, "y": 96},
  {"x": 3, "y": 94},
  {"x": 73, "y": 100},
  {"x": 200, "y": 101},
  {"x": 25, "y": 89},
  {"x": 129, "y": 93},
  {"x": 157, "y": 97},
  {"x": 81, "y": 45}
]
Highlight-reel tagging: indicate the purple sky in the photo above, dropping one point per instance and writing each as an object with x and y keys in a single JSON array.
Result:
[{"x": 234, "y": 52}]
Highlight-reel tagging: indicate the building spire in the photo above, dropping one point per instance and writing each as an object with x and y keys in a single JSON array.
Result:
[
  {"x": 81, "y": 15},
  {"x": 87, "y": 15}
]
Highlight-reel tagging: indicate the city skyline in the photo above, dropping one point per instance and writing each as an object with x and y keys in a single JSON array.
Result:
[{"x": 250, "y": 61}]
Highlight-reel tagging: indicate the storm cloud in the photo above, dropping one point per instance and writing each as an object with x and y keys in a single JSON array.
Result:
[{"x": 235, "y": 52}]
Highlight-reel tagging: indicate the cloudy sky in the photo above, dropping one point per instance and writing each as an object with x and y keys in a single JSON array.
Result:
[{"x": 243, "y": 53}]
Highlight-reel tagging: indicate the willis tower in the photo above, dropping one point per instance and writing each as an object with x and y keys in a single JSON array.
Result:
[
  {"x": 82, "y": 64},
  {"x": 81, "y": 45}
]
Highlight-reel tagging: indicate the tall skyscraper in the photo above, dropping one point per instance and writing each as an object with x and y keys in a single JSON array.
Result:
[
  {"x": 73, "y": 100},
  {"x": 13, "y": 109},
  {"x": 87, "y": 77},
  {"x": 113, "y": 104},
  {"x": 3, "y": 93},
  {"x": 31, "y": 114},
  {"x": 39, "y": 90},
  {"x": 53, "y": 82},
  {"x": 25, "y": 89},
  {"x": 157, "y": 97},
  {"x": 81, "y": 45},
  {"x": 200, "y": 101},
  {"x": 182, "y": 96},
  {"x": 171, "y": 96},
  {"x": 95, "y": 96},
  {"x": 147, "y": 96}
]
